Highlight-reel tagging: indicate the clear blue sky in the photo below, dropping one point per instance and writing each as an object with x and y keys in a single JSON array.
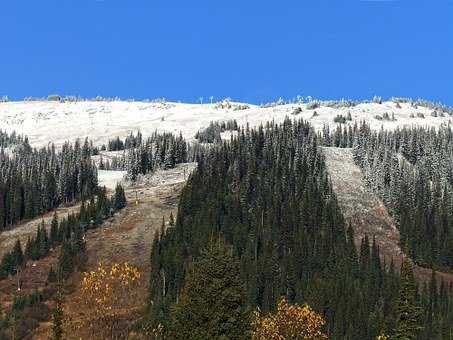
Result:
[{"x": 250, "y": 50}]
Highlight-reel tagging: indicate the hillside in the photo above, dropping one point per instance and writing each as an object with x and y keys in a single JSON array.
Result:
[
  {"x": 366, "y": 213},
  {"x": 51, "y": 121},
  {"x": 273, "y": 195}
]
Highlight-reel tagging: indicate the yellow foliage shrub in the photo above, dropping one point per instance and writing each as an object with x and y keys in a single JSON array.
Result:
[
  {"x": 108, "y": 294},
  {"x": 288, "y": 322}
]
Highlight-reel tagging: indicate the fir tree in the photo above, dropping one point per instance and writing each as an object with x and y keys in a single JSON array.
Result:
[
  {"x": 65, "y": 259},
  {"x": 409, "y": 313},
  {"x": 54, "y": 237},
  {"x": 212, "y": 302},
  {"x": 120, "y": 197},
  {"x": 35, "y": 181},
  {"x": 18, "y": 256}
]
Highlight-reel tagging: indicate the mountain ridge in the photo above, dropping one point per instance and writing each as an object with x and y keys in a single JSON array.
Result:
[{"x": 55, "y": 122}]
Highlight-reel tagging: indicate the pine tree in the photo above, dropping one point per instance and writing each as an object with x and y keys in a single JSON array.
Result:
[
  {"x": 78, "y": 245},
  {"x": 43, "y": 241},
  {"x": 409, "y": 313},
  {"x": 283, "y": 219},
  {"x": 65, "y": 260},
  {"x": 18, "y": 255},
  {"x": 54, "y": 230},
  {"x": 120, "y": 197},
  {"x": 212, "y": 302}
]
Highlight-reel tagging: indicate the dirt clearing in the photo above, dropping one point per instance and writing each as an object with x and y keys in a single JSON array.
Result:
[{"x": 127, "y": 237}]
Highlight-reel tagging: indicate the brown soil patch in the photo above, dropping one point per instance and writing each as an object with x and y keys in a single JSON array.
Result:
[{"x": 127, "y": 237}]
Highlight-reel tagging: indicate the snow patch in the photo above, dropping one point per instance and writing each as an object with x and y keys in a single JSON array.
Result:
[{"x": 110, "y": 178}]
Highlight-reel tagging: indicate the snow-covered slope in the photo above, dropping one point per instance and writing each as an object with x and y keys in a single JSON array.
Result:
[{"x": 47, "y": 121}]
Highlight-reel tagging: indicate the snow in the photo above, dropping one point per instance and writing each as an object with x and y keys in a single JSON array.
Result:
[
  {"x": 107, "y": 156},
  {"x": 109, "y": 178},
  {"x": 50, "y": 121}
]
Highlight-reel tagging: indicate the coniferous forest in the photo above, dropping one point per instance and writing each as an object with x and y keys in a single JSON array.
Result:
[
  {"x": 266, "y": 195},
  {"x": 34, "y": 181},
  {"x": 257, "y": 221},
  {"x": 143, "y": 156},
  {"x": 226, "y": 170},
  {"x": 412, "y": 171}
]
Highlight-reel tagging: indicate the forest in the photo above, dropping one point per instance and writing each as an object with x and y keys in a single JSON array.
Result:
[
  {"x": 412, "y": 171},
  {"x": 35, "y": 181},
  {"x": 142, "y": 156},
  {"x": 259, "y": 237},
  {"x": 267, "y": 196}
]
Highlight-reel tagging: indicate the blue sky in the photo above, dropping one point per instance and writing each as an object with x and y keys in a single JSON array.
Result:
[{"x": 248, "y": 50}]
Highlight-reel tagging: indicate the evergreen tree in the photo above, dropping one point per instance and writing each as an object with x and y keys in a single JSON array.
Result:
[
  {"x": 18, "y": 255},
  {"x": 212, "y": 302},
  {"x": 69, "y": 232},
  {"x": 409, "y": 313},
  {"x": 54, "y": 236},
  {"x": 65, "y": 259},
  {"x": 283, "y": 223},
  {"x": 171, "y": 220},
  {"x": 120, "y": 197}
]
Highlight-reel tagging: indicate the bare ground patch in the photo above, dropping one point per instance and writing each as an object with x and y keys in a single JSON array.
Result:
[{"x": 127, "y": 237}]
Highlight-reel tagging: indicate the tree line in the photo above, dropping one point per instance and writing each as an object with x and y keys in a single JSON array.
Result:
[
  {"x": 143, "y": 156},
  {"x": 34, "y": 181},
  {"x": 117, "y": 144},
  {"x": 68, "y": 232},
  {"x": 11, "y": 139}
]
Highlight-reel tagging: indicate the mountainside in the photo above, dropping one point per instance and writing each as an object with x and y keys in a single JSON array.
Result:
[
  {"x": 366, "y": 213},
  {"x": 57, "y": 122},
  {"x": 343, "y": 220}
]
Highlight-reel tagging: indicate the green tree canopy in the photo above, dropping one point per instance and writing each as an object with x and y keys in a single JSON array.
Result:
[
  {"x": 408, "y": 312},
  {"x": 212, "y": 302}
]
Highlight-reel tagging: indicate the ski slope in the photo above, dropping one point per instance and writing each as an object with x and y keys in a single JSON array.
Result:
[{"x": 47, "y": 122}]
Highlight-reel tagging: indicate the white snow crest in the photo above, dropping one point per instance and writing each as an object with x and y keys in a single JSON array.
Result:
[{"x": 57, "y": 122}]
